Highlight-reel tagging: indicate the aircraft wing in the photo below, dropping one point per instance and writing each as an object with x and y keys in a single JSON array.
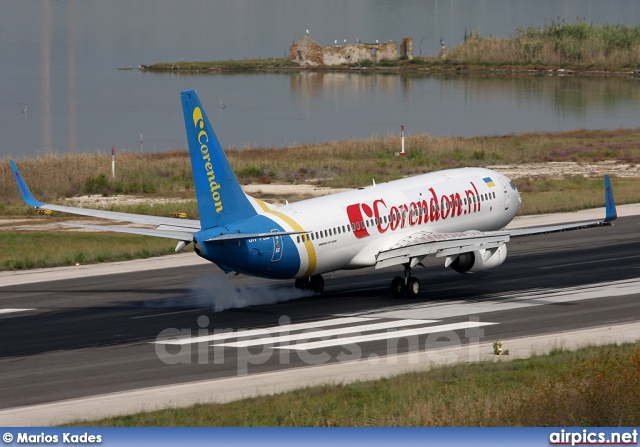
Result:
[
  {"x": 412, "y": 249},
  {"x": 186, "y": 225},
  {"x": 166, "y": 227},
  {"x": 167, "y": 234},
  {"x": 610, "y": 215}
]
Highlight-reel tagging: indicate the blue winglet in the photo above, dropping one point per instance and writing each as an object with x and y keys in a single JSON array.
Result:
[
  {"x": 24, "y": 189},
  {"x": 611, "y": 213}
]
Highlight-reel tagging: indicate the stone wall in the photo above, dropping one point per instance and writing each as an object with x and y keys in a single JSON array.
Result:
[
  {"x": 406, "y": 47},
  {"x": 308, "y": 52}
]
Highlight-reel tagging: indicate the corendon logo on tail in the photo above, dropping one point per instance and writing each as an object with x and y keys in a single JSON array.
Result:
[
  {"x": 364, "y": 217},
  {"x": 203, "y": 139}
]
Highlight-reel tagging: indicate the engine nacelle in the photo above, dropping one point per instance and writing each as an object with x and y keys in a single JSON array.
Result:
[{"x": 479, "y": 260}]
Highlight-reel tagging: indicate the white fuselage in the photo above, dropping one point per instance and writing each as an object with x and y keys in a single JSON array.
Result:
[{"x": 347, "y": 230}]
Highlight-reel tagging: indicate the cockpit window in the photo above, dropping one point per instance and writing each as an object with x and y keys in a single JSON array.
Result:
[{"x": 513, "y": 186}]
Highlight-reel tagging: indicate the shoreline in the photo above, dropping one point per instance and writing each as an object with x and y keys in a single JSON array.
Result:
[{"x": 433, "y": 69}]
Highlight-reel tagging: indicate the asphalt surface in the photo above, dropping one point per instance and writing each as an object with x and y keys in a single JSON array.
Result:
[{"x": 86, "y": 336}]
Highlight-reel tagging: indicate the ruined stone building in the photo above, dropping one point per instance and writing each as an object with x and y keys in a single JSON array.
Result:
[{"x": 306, "y": 51}]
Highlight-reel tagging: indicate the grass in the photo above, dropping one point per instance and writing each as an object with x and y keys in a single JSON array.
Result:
[
  {"x": 349, "y": 163},
  {"x": 222, "y": 66},
  {"x": 29, "y": 249},
  {"x": 596, "y": 386}
]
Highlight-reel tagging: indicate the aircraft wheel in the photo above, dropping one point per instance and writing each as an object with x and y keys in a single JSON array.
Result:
[
  {"x": 302, "y": 283},
  {"x": 398, "y": 287},
  {"x": 413, "y": 287},
  {"x": 316, "y": 283}
]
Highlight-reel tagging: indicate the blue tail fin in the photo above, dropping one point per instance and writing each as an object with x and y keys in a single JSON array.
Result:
[{"x": 220, "y": 197}]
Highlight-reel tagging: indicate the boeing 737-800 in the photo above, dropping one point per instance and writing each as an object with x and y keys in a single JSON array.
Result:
[{"x": 459, "y": 215}]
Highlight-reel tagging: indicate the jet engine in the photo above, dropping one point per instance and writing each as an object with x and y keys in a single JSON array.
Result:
[{"x": 479, "y": 260}]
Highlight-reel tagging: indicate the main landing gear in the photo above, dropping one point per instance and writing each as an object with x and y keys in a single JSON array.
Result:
[
  {"x": 407, "y": 284},
  {"x": 314, "y": 283}
]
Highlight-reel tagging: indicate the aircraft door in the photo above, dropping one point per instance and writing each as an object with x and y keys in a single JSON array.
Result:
[
  {"x": 277, "y": 247},
  {"x": 507, "y": 196}
]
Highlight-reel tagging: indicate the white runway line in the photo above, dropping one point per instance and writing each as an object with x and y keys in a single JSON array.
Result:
[
  {"x": 10, "y": 311},
  {"x": 384, "y": 335},
  {"x": 326, "y": 333},
  {"x": 264, "y": 331}
]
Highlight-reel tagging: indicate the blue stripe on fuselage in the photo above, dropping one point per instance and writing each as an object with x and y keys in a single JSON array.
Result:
[{"x": 251, "y": 256}]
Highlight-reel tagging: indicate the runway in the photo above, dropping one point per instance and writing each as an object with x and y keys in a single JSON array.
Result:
[{"x": 93, "y": 335}]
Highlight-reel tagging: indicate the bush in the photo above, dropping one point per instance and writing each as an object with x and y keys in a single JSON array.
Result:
[{"x": 95, "y": 185}]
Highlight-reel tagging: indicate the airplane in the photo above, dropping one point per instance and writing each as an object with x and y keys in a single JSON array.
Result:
[{"x": 456, "y": 214}]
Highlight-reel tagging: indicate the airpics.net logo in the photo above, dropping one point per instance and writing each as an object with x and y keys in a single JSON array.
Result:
[
  {"x": 339, "y": 340},
  {"x": 203, "y": 140},
  {"x": 592, "y": 437}
]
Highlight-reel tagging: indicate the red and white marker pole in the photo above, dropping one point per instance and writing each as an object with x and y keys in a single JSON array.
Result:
[
  {"x": 113, "y": 162},
  {"x": 402, "y": 154}
]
